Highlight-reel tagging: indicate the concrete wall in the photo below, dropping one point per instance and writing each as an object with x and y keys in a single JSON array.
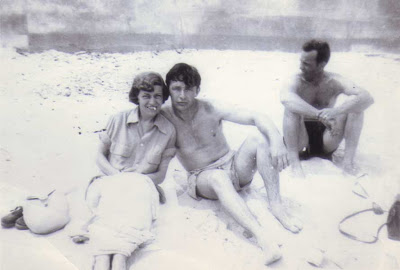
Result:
[{"x": 127, "y": 25}]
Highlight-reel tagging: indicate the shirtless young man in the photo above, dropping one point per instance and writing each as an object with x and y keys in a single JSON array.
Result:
[
  {"x": 217, "y": 172},
  {"x": 312, "y": 119}
]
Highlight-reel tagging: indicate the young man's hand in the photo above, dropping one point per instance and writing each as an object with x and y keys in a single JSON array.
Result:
[
  {"x": 328, "y": 114},
  {"x": 279, "y": 157},
  {"x": 332, "y": 126},
  {"x": 328, "y": 118}
]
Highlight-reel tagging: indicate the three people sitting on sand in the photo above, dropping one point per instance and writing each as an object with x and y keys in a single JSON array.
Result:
[{"x": 137, "y": 146}]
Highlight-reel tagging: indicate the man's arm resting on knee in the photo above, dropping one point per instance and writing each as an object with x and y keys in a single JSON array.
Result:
[
  {"x": 264, "y": 125},
  {"x": 361, "y": 101},
  {"x": 294, "y": 103}
]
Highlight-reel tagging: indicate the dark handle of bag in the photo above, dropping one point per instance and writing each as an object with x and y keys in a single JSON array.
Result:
[
  {"x": 353, "y": 237},
  {"x": 44, "y": 201}
]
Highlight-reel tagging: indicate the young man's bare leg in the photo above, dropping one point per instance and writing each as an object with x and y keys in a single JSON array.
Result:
[
  {"x": 348, "y": 127},
  {"x": 332, "y": 137},
  {"x": 352, "y": 132},
  {"x": 216, "y": 184},
  {"x": 119, "y": 262},
  {"x": 254, "y": 155},
  {"x": 296, "y": 138},
  {"x": 102, "y": 262}
]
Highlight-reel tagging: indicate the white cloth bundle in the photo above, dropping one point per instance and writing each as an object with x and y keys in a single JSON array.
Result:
[{"x": 127, "y": 204}]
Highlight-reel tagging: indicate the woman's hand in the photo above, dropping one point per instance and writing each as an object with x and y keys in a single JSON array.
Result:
[{"x": 131, "y": 169}]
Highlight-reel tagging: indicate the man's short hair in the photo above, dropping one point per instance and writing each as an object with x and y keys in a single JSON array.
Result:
[
  {"x": 184, "y": 73},
  {"x": 322, "y": 48},
  {"x": 145, "y": 82}
]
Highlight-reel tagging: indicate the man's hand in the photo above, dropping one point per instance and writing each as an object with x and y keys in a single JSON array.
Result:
[
  {"x": 328, "y": 114},
  {"x": 279, "y": 157},
  {"x": 328, "y": 118},
  {"x": 333, "y": 127}
]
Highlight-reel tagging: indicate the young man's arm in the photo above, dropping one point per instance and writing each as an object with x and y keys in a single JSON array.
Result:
[
  {"x": 294, "y": 103},
  {"x": 361, "y": 100},
  {"x": 264, "y": 125}
]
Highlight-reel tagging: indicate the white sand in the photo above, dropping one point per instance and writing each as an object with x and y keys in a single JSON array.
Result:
[{"x": 52, "y": 103}]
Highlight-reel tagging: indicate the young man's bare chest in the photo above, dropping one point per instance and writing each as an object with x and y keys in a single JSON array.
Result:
[
  {"x": 200, "y": 132},
  {"x": 319, "y": 95}
]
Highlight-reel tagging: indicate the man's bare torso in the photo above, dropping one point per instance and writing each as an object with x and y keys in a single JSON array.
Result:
[
  {"x": 200, "y": 141},
  {"x": 321, "y": 94}
]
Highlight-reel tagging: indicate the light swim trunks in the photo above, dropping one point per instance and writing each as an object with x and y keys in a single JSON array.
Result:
[{"x": 225, "y": 163}]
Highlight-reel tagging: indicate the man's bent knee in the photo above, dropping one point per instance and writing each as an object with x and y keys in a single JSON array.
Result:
[
  {"x": 257, "y": 140},
  {"x": 213, "y": 182}
]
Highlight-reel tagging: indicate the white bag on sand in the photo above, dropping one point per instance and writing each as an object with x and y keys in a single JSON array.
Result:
[{"x": 46, "y": 215}]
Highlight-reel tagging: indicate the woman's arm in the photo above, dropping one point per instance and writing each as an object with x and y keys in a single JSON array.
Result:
[
  {"x": 102, "y": 161},
  {"x": 168, "y": 154},
  {"x": 159, "y": 176}
]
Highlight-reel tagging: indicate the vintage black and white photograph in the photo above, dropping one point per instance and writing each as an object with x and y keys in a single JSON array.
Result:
[{"x": 203, "y": 134}]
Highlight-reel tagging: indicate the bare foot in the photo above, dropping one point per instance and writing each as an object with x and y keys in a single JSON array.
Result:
[
  {"x": 272, "y": 252},
  {"x": 288, "y": 221},
  {"x": 297, "y": 170},
  {"x": 349, "y": 168}
]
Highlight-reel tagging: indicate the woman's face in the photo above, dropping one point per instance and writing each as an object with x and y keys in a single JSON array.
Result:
[{"x": 150, "y": 102}]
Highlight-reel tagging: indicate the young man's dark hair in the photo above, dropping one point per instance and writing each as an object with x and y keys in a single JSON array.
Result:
[
  {"x": 146, "y": 82},
  {"x": 322, "y": 48},
  {"x": 184, "y": 73}
]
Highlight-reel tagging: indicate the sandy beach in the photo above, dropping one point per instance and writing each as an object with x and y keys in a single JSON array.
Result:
[{"x": 53, "y": 104}]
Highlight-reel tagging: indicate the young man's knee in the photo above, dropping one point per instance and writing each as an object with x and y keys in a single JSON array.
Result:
[
  {"x": 220, "y": 181},
  {"x": 258, "y": 140}
]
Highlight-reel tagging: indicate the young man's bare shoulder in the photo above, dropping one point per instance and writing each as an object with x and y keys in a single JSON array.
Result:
[
  {"x": 293, "y": 82},
  {"x": 207, "y": 104},
  {"x": 332, "y": 76},
  {"x": 336, "y": 77},
  {"x": 167, "y": 112},
  {"x": 210, "y": 106},
  {"x": 336, "y": 81},
  {"x": 167, "y": 124}
]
